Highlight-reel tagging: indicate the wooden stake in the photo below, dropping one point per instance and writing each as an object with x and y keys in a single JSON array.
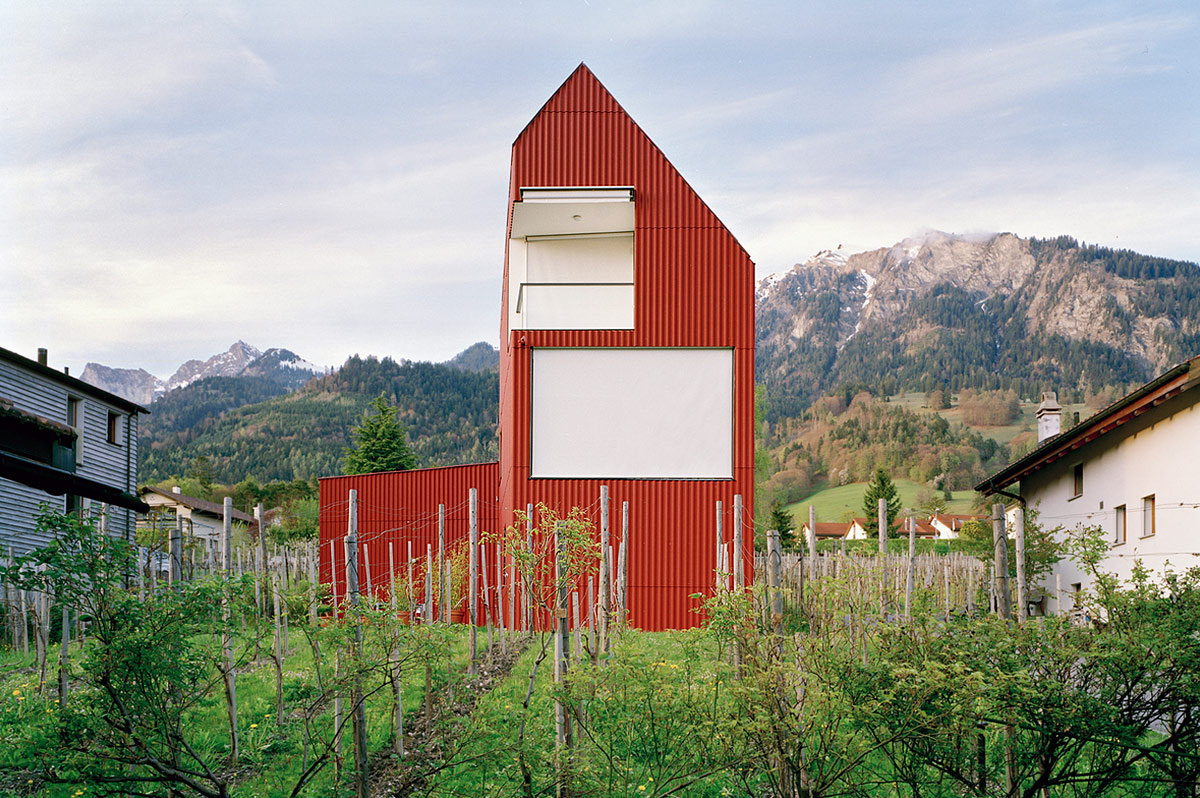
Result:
[
  {"x": 1022, "y": 587},
  {"x": 912, "y": 564},
  {"x": 1002, "y": 596},
  {"x": 605, "y": 565},
  {"x": 227, "y": 674},
  {"x": 883, "y": 530},
  {"x": 472, "y": 582},
  {"x": 443, "y": 580},
  {"x": 358, "y": 706},
  {"x": 717, "y": 567}
]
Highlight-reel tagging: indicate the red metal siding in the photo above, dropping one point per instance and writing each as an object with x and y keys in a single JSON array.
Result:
[
  {"x": 693, "y": 287},
  {"x": 400, "y": 507}
]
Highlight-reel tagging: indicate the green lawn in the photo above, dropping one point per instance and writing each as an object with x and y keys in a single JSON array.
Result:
[{"x": 834, "y": 503}]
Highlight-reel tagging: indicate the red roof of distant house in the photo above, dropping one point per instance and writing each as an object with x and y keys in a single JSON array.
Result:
[{"x": 832, "y": 529}]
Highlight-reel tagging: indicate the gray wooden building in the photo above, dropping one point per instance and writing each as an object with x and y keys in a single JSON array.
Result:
[{"x": 64, "y": 444}]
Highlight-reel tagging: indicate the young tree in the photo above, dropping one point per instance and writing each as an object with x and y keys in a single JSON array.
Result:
[
  {"x": 781, "y": 520},
  {"x": 379, "y": 442},
  {"x": 880, "y": 487}
]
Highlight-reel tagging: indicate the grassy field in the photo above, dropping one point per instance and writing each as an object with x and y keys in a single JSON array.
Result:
[{"x": 843, "y": 501}]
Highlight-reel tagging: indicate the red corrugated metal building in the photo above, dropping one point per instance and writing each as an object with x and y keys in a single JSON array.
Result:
[{"x": 626, "y": 356}]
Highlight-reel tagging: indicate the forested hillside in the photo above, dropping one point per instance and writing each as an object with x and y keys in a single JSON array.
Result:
[
  {"x": 842, "y": 439},
  {"x": 450, "y": 413}
]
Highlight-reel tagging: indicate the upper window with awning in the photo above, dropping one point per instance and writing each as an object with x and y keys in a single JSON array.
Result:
[{"x": 571, "y": 259}]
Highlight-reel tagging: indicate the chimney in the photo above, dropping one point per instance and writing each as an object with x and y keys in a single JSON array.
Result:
[
  {"x": 1049, "y": 416},
  {"x": 175, "y": 489},
  {"x": 67, "y": 370},
  {"x": 43, "y": 356}
]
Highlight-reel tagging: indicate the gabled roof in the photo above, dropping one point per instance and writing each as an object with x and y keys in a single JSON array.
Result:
[
  {"x": 72, "y": 383},
  {"x": 199, "y": 505},
  {"x": 597, "y": 152},
  {"x": 1181, "y": 378}
]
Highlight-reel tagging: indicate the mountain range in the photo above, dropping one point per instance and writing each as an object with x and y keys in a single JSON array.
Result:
[
  {"x": 943, "y": 311},
  {"x": 281, "y": 366},
  {"x": 935, "y": 312}
]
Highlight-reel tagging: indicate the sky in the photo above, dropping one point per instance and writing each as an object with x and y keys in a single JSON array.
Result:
[{"x": 332, "y": 177}]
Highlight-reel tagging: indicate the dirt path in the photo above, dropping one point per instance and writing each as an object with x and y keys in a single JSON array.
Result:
[{"x": 396, "y": 778}]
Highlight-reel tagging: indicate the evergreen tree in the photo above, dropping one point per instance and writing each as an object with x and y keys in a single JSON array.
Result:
[
  {"x": 880, "y": 487},
  {"x": 781, "y": 520},
  {"x": 379, "y": 442}
]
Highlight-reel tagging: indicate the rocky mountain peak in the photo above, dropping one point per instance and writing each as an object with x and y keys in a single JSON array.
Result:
[{"x": 229, "y": 363}]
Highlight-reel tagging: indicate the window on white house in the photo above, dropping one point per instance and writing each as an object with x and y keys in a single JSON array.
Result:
[
  {"x": 113, "y": 431},
  {"x": 1119, "y": 527},
  {"x": 1077, "y": 476},
  {"x": 1148, "y": 516}
]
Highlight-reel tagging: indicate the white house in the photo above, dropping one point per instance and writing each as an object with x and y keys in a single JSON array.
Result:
[
  {"x": 948, "y": 525},
  {"x": 202, "y": 519},
  {"x": 1130, "y": 470}
]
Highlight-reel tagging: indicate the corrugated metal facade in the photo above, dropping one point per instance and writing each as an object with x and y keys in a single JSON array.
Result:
[
  {"x": 693, "y": 287},
  {"x": 399, "y": 508}
]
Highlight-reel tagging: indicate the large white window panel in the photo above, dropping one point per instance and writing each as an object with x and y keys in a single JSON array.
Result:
[
  {"x": 634, "y": 413},
  {"x": 576, "y": 307},
  {"x": 580, "y": 259}
]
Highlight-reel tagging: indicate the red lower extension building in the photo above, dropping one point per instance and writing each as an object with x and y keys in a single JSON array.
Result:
[{"x": 626, "y": 361}]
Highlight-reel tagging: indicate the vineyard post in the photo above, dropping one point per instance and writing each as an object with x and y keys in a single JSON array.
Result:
[
  {"x": 411, "y": 592},
  {"x": 392, "y": 574},
  {"x": 1000, "y": 570},
  {"x": 64, "y": 658},
  {"x": 562, "y": 645},
  {"x": 774, "y": 561},
  {"x": 227, "y": 636},
  {"x": 623, "y": 567},
  {"x": 527, "y": 585},
  {"x": 472, "y": 582},
  {"x": 487, "y": 594},
  {"x": 314, "y": 582},
  {"x": 739, "y": 558},
  {"x": 912, "y": 565},
  {"x": 262, "y": 556},
  {"x": 883, "y": 530},
  {"x": 366, "y": 561},
  {"x": 443, "y": 583},
  {"x": 718, "y": 569},
  {"x": 605, "y": 564},
  {"x": 812, "y": 542},
  {"x": 578, "y": 629},
  {"x": 512, "y": 593},
  {"x": 428, "y": 583},
  {"x": 273, "y": 584},
  {"x": 176, "y": 550},
  {"x": 592, "y": 620},
  {"x": 1022, "y": 587},
  {"x": 500, "y": 621},
  {"x": 358, "y": 706}
]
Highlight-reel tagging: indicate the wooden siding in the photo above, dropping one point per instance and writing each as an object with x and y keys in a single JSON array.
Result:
[{"x": 112, "y": 464}]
